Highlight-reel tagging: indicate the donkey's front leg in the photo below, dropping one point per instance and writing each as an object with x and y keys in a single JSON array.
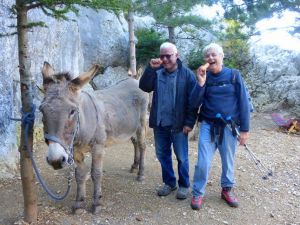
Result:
[
  {"x": 81, "y": 176},
  {"x": 96, "y": 174}
]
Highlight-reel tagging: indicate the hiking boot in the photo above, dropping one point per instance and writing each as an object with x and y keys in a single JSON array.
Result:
[
  {"x": 165, "y": 190},
  {"x": 196, "y": 202},
  {"x": 229, "y": 197},
  {"x": 182, "y": 193}
]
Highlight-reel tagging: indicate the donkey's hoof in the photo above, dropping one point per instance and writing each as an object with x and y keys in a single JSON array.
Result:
[
  {"x": 140, "y": 178},
  {"x": 78, "y": 211},
  {"x": 78, "y": 208},
  {"x": 133, "y": 169},
  {"x": 96, "y": 209}
]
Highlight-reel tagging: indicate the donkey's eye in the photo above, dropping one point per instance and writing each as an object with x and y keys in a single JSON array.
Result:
[{"x": 72, "y": 112}]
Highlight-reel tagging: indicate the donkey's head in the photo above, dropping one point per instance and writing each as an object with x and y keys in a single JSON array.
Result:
[{"x": 60, "y": 109}]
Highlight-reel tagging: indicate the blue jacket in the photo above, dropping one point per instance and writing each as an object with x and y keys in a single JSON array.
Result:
[
  {"x": 220, "y": 95},
  {"x": 186, "y": 80}
]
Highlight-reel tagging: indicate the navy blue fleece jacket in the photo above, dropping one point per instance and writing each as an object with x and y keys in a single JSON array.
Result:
[
  {"x": 185, "y": 82},
  {"x": 220, "y": 95}
]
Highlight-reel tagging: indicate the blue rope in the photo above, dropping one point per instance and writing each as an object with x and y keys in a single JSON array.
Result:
[
  {"x": 28, "y": 117},
  {"x": 28, "y": 120}
]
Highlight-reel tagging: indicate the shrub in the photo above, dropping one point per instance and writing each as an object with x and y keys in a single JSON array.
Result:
[{"x": 148, "y": 45}]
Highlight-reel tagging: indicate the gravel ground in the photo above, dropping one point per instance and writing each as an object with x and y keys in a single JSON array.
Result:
[{"x": 126, "y": 201}]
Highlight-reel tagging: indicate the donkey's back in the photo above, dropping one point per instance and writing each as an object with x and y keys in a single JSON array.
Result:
[{"x": 123, "y": 110}]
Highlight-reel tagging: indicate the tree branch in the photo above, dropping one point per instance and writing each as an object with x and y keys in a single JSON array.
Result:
[
  {"x": 8, "y": 34},
  {"x": 33, "y": 6}
]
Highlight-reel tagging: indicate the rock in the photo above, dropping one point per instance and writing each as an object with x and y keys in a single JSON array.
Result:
[
  {"x": 143, "y": 22},
  {"x": 138, "y": 218},
  {"x": 296, "y": 193},
  {"x": 111, "y": 75},
  {"x": 274, "y": 84}
]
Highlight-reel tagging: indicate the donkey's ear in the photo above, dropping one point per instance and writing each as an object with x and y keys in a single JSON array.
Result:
[
  {"x": 84, "y": 78},
  {"x": 47, "y": 70}
]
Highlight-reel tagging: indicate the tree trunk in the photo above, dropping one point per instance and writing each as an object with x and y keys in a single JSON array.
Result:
[
  {"x": 132, "y": 58},
  {"x": 27, "y": 176},
  {"x": 172, "y": 35}
]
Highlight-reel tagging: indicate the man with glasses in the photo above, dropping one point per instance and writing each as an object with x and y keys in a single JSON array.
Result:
[{"x": 170, "y": 117}]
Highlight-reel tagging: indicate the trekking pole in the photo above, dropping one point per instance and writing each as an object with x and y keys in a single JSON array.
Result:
[{"x": 264, "y": 170}]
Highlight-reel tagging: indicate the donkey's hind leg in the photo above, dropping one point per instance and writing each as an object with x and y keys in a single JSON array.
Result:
[
  {"x": 136, "y": 160},
  {"x": 141, "y": 133}
]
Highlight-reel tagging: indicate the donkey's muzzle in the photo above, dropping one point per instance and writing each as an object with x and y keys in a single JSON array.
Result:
[{"x": 57, "y": 164}]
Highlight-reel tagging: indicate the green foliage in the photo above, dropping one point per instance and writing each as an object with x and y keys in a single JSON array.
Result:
[
  {"x": 235, "y": 46},
  {"x": 188, "y": 19},
  {"x": 173, "y": 13},
  {"x": 249, "y": 12},
  {"x": 59, "y": 8},
  {"x": 195, "y": 57},
  {"x": 148, "y": 45}
]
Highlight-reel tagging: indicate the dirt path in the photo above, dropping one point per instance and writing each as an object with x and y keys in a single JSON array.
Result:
[{"x": 126, "y": 201}]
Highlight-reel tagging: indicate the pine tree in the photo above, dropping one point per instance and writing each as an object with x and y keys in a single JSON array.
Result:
[
  {"x": 249, "y": 12},
  {"x": 172, "y": 14}
]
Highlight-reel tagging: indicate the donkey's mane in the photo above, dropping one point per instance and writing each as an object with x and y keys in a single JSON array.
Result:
[
  {"x": 56, "y": 90},
  {"x": 58, "y": 77}
]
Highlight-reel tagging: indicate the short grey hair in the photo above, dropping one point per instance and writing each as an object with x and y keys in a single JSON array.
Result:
[
  {"x": 214, "y": 46},
  {"x": 169, "y": 45}
]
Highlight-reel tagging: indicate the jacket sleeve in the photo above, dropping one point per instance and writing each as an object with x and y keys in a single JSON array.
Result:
[
  {"x": 191, "y": 111},
  {"x": 243, "y": 104},
  {"x": 196, "y": 96},
  {"x": 148, "y": 79}
]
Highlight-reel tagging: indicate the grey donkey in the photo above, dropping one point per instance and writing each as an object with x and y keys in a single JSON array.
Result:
[{"x": 89, "y": 122}]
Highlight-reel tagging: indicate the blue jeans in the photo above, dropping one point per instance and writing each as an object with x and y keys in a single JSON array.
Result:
[
  {"x": 164, "y": 137},
  {"x": 206, "y": 150}
]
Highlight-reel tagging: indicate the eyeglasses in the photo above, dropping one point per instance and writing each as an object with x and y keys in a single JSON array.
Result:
[{"x": 168, "y": 56}]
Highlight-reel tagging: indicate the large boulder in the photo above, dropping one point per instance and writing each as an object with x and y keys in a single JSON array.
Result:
[
  {"x": 110, "y": 76},
  {"x": 274, "y": 78}
]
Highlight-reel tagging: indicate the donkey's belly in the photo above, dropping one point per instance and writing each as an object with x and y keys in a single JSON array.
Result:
[{"x": 111, "y": 140}]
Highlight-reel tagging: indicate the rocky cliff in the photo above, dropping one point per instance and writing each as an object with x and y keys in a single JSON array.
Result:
[{"x": 274, "y": 77}]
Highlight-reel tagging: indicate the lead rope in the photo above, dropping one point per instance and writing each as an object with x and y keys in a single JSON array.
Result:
[{"x": 27, "y": 120}]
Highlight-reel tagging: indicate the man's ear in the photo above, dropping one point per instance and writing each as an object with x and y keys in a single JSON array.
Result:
[{"x": 84, "y": 78}]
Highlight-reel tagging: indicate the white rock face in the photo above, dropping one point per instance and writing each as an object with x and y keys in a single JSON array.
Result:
[
  {"x": 275, "y": 78},
  {"x": 143, "y": 22},
  {"x": 111, "y": 76},
  {"x": 92, "y": 37}
]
